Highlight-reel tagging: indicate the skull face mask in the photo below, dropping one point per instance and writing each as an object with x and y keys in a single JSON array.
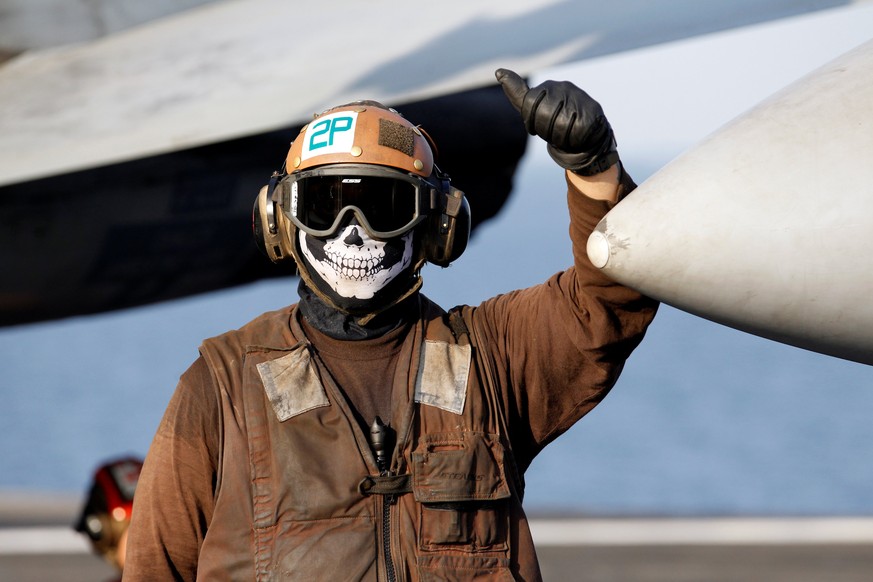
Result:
[{"x": 355, "y": 272}]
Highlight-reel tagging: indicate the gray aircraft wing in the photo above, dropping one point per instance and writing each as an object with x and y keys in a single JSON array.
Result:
[{"x": 129, "y": 162}]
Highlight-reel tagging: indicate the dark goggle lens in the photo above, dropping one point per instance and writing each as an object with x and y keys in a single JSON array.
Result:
[{"x": 387, "y": 203}]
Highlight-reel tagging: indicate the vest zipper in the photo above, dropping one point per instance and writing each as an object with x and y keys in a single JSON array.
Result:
[
  {"x": 379, "y": 442},
  {"x": 387, "y": 502}
]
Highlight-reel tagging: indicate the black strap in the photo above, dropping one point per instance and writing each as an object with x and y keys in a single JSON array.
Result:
[
  {"x": 385, "y": 485},
  {"x": 457, "y": 324}
]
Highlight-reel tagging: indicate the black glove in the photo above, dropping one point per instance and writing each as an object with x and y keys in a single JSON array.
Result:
[{"x": 572, "y": 123}]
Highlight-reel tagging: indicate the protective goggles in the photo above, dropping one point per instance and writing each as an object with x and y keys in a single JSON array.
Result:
[{"x": 386, "y": 202}]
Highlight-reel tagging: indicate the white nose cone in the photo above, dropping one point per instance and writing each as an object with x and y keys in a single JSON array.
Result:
[
  {"x": 767, "y": 225},
  {"x": 598, "y": 249}
]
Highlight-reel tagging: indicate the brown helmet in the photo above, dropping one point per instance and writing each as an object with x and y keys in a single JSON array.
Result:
[{"x": 364, "y": 132}]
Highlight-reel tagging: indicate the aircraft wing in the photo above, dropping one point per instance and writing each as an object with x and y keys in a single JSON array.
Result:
[
  {"x": 237, "y": 68},
  {"x": 128, "y": 164}
]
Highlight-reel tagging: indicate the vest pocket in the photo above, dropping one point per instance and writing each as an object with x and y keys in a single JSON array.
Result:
[
  {"x": 459, "y": 482},
  {"x": 467, "y": 526},
  {"x": 437, "y": 568}
]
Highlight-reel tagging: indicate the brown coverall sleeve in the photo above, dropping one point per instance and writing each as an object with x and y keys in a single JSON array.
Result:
[
  {"x": 556, "y": 349},
  {"x": 174, "y": 497}
]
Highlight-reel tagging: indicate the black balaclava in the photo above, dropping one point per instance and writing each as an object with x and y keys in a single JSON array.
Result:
[{"x": 357, "y": 280}]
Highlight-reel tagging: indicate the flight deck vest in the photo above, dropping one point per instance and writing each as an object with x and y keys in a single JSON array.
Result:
[{"x": 299, "y": 494}]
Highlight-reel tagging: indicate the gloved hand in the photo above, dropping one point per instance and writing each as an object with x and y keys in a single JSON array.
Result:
[{"x": 579, "y": 137}]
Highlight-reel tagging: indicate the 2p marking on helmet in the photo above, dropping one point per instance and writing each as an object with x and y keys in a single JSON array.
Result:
[
  {"x": 330, "y": 134},
  {"x": 362, "y": 133}
]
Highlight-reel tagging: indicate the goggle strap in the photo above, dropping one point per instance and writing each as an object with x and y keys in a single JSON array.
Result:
[{"x": 453, "y": 204}]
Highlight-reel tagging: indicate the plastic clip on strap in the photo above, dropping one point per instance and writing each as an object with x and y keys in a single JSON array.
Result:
[{"x": 385, "y": 483}]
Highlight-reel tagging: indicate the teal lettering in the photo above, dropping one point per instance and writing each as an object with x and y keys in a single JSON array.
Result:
[
  {"x": 319, "y": 129},
  {"x": 330, "y": 127},
  {"x": 336, "y": 127}
]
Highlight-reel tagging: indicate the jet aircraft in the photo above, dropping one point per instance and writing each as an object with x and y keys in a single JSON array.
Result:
[{"x": 129, "y": 161}]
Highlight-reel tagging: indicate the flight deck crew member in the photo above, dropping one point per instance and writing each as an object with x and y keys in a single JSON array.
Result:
[
  {"x": 365, "y": 433},
  {"x": 105, "y": 517}
]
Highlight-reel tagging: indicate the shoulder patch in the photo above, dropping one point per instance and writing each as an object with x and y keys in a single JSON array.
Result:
[
  {"x": 443, "y": 371},
  {"x": 292, "y": 384}
]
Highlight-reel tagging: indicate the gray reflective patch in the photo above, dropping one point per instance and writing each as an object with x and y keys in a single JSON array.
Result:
[
  {"x": 292, "y": 384},
  {"x": 442, "y": 375}
]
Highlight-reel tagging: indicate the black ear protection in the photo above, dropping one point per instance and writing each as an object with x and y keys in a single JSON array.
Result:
[{"x": 448, "y": 227}]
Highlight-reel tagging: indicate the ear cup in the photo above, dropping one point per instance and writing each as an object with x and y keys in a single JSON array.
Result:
[
  {"x": 258, "y": 222},
  {"x": 268, "y": 221},
  {"x": 449, "y": 230},
  {"x": 461, "y": 235}
]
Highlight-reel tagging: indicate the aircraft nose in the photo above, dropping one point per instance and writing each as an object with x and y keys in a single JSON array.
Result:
[{"x": 598, "y": 249}]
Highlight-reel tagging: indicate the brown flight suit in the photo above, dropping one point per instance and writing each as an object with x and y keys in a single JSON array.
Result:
[{"x": 259, "y": 470}]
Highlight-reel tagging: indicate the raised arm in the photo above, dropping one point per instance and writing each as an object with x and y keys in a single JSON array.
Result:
[{"x": 558, "y": 348}]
